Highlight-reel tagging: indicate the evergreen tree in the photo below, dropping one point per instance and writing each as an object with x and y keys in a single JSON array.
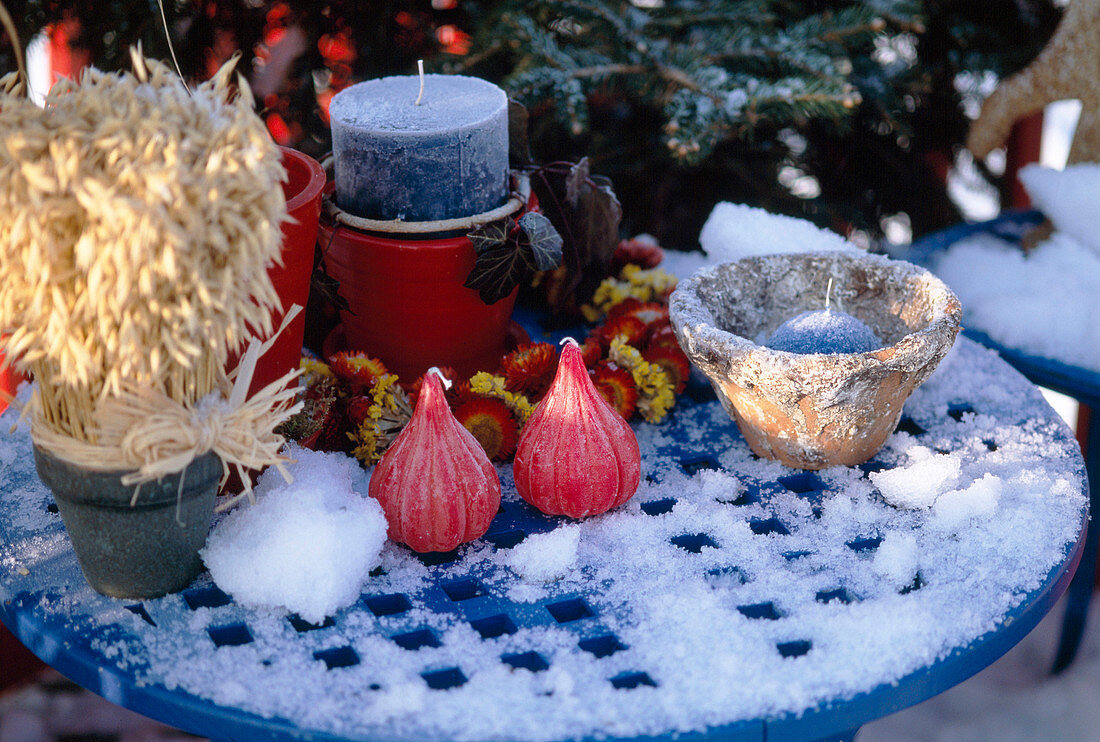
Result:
[
  {"x": 845, "y": 112},
  {"x": 841, "y": 111}
]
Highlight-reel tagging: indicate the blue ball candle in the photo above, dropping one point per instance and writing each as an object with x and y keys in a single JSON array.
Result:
[
  {"x": 402, "y": 153},
  {"x": 824, "y": 331}
]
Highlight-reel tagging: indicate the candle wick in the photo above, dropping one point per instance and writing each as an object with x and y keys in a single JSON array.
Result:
[
  {"x": 435, "y": 370},
  {"x": 828, "y": 293},
  {"x": 420, "y": 67}
]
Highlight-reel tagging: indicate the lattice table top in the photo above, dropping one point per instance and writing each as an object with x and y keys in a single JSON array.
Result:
[{"x": 728, "y": 595}]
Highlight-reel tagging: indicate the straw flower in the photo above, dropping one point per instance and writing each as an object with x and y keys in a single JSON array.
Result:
[{"x": 529, "y": 369}]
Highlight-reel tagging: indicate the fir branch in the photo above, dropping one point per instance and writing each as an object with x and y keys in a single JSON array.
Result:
[
  {"x": 836, "y": 28},
  {"x": 711, "y": 80},
  {"x": 490, "y": 50},
  {"x": 838, "y": 35},
  {"x": 753, "y": 13},
  {"x": 609, "y": 70}
]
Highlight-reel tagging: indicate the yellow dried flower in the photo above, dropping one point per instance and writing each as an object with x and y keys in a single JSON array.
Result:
[
  {"x": 313, "y": 370},
  {"x": 610, "y": 292},
  {"x": 369, "y": 447},
  {"x": 656, "y": 394},
  {"x": 656, "y": 281},
  {"x": 386, "y": 417},
  {"x": 633, "y": 281},
  {"x": 489, "y": 385}
]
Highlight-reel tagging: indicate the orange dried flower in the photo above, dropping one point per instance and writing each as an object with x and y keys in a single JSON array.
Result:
[
  {"x": 662, "y": 335},
  {"x": 356, "y": 369},
  {"x": 591, "y": 352},
  {"x": 616, "y": 385},
  {"x": 491, "y": 423},
  {"x": 651, "y": 313},
  {"x": 529, "y": 369},
  {"x": 358, "y": 410},
  {"x": 461, "y": 392},
  {"x": 334, "y": 429},
  {"x": 627, "y": 326},
  {"x": 642, "y": 251},
  {"x": 626, "y": 306},
  {"x": 673, "y": 362}
]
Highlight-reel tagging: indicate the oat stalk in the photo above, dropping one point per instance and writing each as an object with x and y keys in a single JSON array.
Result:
[{"x": 137, "y": 222}]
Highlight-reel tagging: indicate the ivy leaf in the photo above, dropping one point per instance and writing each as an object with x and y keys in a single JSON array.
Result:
[
  {"x": 508, "y": 251},
  {"x": 541, "y": 243},
  {"x": 575, "y": 182},
  {"x": 491, "y": 235},
  {"x": 596, "y": 214},
  {"x": 498, "y": 262},
  {"x": 494, "y": 273},
  {"x": 327, "y": 288},
  {"x": 584, "y": 210}
]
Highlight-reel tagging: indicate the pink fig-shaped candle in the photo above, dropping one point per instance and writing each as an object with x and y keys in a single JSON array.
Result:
[
  {"x": 577, "y": 456},
  {"x": 435, "y": 483}
]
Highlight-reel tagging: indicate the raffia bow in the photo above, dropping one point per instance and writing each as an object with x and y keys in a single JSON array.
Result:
[{"x": 147, "y": 433}]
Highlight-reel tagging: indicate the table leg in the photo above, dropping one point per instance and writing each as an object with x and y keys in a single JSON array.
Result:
[
  {"x": 17, "y": 664},
  {"x": 1080, "y": 590}
]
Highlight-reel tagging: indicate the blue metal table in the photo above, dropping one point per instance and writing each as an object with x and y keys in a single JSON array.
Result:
[
  {"x": 1079, "y": 383},
  {"x": 719, "y": 529}
]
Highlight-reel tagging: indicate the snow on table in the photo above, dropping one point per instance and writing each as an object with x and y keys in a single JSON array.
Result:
[
  {"x": 727, "y": 589},
  {"x": 1044, "y": 303}
]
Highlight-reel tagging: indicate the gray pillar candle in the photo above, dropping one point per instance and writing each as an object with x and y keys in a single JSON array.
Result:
[{"x": 443, "y": 159}]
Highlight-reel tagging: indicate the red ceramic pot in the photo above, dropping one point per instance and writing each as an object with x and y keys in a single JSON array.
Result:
[
  {"x": 302, "y": 190},
  {"x": 407, "y": 304},
  {"x": 9, "y": 383}
]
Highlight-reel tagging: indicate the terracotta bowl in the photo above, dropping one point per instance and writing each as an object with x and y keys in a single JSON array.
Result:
[{"x": 811, "y": 411}]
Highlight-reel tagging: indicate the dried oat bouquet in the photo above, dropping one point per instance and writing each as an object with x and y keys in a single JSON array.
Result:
[{"x": 137, "y": 220}]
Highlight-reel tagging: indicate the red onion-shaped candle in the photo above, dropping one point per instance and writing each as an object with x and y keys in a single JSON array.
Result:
[
  {"x": 435, "y": 483},
  {"x": 577, "y": 456}
]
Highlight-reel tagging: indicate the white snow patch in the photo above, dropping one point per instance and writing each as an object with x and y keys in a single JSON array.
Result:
[
  {"x": 306, "y": 546},
  {"x": 543, "y": 557},
  {"x": 896, "y": 558},
  {"x": 735, "y": 231},
  {"x": 1068, "y": 198},
  {"x": 1043, "y": 302},
  {"x": 919, "y": 483},
  {"x": 979, "y": 499}
]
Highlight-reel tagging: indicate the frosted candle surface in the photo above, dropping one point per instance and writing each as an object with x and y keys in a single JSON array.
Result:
[
  {"x": 824, "y": 331},
  {"x": 445, "y": 158}
]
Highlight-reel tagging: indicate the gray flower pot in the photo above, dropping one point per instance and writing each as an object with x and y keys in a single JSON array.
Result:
[{"x": 143, "y": 550}]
